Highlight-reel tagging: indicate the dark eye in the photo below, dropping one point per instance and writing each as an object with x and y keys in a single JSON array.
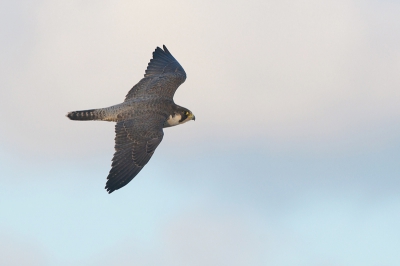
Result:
[{"x": 187, "y": 113}]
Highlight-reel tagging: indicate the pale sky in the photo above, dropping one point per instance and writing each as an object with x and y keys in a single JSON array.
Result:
[{"x": 293, "y": 158}]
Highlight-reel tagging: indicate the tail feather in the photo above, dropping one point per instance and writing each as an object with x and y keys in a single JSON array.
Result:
[{"x": 92, "y": 114}]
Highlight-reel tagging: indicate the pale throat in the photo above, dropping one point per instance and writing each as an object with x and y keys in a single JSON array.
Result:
[{"x": 173, "y": 120}]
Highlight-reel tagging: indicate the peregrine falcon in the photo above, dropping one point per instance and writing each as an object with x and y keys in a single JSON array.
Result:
[{"x": 147, "y": 109}]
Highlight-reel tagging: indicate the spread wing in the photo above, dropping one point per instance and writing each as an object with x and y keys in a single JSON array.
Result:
[
  {"x": 135, "y": 143},
  {"x": 163, "y": 76}
]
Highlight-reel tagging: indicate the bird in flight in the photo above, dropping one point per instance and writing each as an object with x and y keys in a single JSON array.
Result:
[{"x": 147, "y": 109}]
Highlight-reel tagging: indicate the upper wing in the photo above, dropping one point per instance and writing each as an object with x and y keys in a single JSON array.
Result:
[
  {"x": 135, "y": 143},
  {"x": 163, "y": 76}
]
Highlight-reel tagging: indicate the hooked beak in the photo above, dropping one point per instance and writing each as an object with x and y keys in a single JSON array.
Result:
[{"x": 191, "y": 117}]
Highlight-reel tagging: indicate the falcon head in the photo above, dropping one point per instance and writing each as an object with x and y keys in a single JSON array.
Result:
[{"x": 179, "y": 116}]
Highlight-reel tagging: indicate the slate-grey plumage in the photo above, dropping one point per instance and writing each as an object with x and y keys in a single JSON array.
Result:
[{"x": 147, "y": 109}]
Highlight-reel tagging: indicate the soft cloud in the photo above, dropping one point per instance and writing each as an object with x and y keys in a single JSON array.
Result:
[
  {"x": 198, "y": 238},
  {"x": 20, "y": 251}
]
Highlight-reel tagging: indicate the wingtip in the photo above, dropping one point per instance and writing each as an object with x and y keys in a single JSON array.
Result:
[
  {"x": 157, "y": 51},
  {"x": 165, "y": 49},
  {"x": 109, "y": 190}
]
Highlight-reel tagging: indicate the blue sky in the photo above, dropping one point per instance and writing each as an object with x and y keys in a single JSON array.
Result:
[{"x": 293, "y": 158}]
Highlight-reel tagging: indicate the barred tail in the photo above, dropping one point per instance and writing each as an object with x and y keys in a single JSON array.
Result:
[{"x": 92, "y": 114}]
